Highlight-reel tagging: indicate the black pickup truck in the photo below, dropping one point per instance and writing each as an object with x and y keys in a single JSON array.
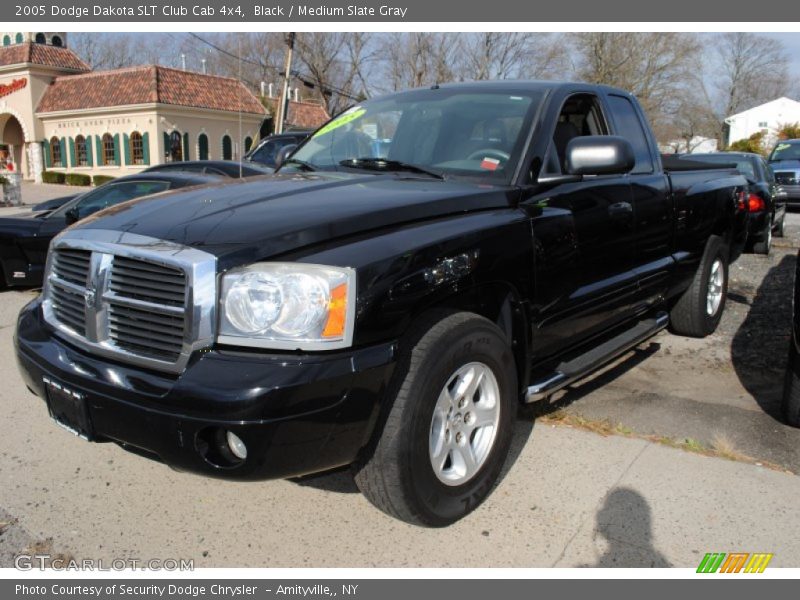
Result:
[{"x": 419, "y": 266}]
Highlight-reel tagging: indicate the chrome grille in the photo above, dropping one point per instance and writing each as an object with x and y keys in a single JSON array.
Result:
[
  {"x": 72, "y": 266},
  {"x": 69, "y": 308},
  {"x": 131, "y": 297},
  {"x": 148, "y": 282}
]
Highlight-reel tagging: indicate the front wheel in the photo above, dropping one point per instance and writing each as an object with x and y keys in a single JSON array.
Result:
[
  {"x": 449, "y": 428},
  {"x": 698, "y": 311}
]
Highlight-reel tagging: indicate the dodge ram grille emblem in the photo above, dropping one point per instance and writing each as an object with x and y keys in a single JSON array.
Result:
[{"x": 89, "y": 297}]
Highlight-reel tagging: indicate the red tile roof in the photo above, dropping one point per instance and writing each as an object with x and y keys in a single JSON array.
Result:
[
  {"x": 40, "y": 54},
  {"x": 147, "y": 85},
  {"x": 307, "y": 115}
]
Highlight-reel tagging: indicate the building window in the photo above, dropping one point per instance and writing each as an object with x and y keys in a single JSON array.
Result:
[
  {"x": 55, "y": 152},
  {"x": 6, "y": 40},
  {"x": 175, "y": 151},
  {"x": 57, "y": 41},
  {"x": 19, "y": 38},
  {"x": 80, "y": 151},
  {"x": 202, "y": 146},
  {"x": 763, "y": 124},
  {"x": 227, "y": 148},
  {"x": 108, "y": 149},
  {"x": 40, "y": 39},
  {"x": 137, "y": 148},
  {"x": 248, "y": 142}
]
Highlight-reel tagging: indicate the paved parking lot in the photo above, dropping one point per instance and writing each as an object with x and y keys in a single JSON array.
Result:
[{"x": 569, "y": 497}]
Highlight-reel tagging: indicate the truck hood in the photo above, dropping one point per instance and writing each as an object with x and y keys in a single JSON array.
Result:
[{"x": 266, "y": 216}]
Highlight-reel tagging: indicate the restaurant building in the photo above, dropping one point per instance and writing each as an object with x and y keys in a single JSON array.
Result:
[{"x": 57, "y": 114}]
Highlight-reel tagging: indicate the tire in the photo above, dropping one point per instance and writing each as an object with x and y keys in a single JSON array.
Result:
[
  {"x": 765, "y": 244},
  {"x": 780, "y": 227},
  {"x": 397, "y": 473},
  {"x": 791, "y": 390},
  {"x": 692, "y": 315}
]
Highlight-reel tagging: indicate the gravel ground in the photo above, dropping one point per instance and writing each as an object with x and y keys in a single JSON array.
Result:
[{"x": 722, "y": 392}]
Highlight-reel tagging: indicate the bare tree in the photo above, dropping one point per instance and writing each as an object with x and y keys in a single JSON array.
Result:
[
  {"x": 656, "y": 67},
  {"x": 113, "y": 51},
  {"x": 419, "y": 58},
  {"x": 335, "y": 66},
  {"x": 510, "y": 55},
  {"x": 752, "y": 70}
]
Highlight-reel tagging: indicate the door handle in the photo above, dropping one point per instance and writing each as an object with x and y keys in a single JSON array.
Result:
[{"x": 620, "y": 210}]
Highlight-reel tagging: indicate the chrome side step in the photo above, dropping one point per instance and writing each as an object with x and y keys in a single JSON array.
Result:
[{"x": 583, "y": 365}]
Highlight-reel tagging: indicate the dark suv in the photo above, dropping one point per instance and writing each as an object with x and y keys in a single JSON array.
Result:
[{"x": 785, "y": 162}]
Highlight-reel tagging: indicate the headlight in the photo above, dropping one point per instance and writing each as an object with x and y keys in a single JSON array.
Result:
[{"x": 288, "y": 306}]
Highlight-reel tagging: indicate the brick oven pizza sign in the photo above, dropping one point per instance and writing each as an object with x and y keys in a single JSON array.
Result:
[{"x": 14, "y": 86}]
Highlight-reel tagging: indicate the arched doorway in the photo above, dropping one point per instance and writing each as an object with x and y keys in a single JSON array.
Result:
[{"x": 12, "y": 139}]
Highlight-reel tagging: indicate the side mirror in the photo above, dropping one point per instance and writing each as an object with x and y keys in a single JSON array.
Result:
[
  {"x": 283, "y": 154},
  {"x": 72, "y": 215},
  {"x": 599, "y": 155}
]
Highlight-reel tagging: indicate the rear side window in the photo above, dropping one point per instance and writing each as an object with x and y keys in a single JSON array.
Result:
[{"x": 630, "y": 127}]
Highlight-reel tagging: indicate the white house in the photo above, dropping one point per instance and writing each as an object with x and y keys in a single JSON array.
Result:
[
  {"x": 698, "y": 144},
  {"x": 766, "y": 118}
]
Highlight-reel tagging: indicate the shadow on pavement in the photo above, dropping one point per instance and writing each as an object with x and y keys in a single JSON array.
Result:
[
  {"x": 759, "y": 347},
  {"x": 625, "y": 523}
]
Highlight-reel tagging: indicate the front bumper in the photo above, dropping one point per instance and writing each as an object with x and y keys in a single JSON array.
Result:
[{"x": 296, "y": 414}]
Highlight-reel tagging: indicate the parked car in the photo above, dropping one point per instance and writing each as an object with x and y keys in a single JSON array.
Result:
[
  {"x": 24, "y": 238},
  {"x": 52, "y": 204},
  {"x": 385, "y": 312},
  {"x": 267, "y": 150},
  {"x": 766, "y": 201},
  {"x": 791, "y": 386},
  {"x": 222, "y": 168},
  {"x": 785, "y": 162}
]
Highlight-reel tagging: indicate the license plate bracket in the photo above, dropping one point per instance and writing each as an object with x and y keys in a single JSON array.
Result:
[{"x": 68, "y": 409}]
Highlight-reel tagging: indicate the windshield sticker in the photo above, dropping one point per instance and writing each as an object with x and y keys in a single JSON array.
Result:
[
  {"x": 782, "y": 146},
  {"x": 490, "y": 164},
  {"x": 343, "y": 119}
]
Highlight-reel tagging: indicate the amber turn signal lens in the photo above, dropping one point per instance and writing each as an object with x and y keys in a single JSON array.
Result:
[{"x": 337, "y": 312}]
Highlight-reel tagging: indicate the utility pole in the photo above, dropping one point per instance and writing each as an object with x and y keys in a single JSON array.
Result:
[{"x": 283, "y": 105}]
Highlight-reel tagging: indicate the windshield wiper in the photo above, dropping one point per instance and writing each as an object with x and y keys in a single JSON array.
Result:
[
  {"x": 300, "y": 163},
  {"x": 384, "y": 164}
]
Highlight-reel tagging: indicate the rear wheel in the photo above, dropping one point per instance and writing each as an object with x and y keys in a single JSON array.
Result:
[
  {"x": 780, "y": 227},
  {"x": 448, "y": 431},
  {"x": 765, "y": 245},
  {"x": 699, "y": 310}
]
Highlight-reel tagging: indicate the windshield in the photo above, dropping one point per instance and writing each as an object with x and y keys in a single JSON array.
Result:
[
  {"x": 743, "y": 165},
  {"x": 785, "y": 151},
  {"x": 437, "y": 131}
]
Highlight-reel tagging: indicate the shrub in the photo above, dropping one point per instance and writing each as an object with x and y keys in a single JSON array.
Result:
[
  {"x": 53, "y": 177},
  {"x": 78, "y": 179},
  {"x": 101, "y": 179},
  {"x": 789, "y": 131},
  {"x": 755, "y": 143}
]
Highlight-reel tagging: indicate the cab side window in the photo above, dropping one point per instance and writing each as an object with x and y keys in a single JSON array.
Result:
[
  {"x": 629, "y": 126},
  {"x": 580, "y": 115}
]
